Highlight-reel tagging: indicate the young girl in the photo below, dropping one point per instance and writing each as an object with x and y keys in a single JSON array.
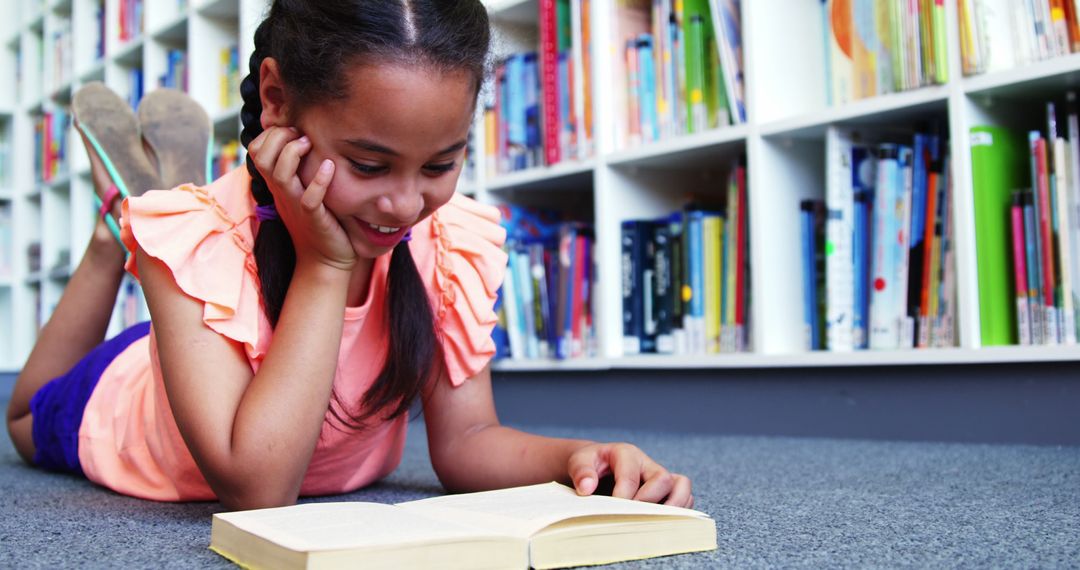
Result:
[{"x": 300, "y": 305}]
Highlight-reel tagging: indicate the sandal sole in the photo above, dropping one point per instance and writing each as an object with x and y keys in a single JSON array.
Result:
[
  {"x": 178, "y": 130},
  {"x": 107, "y": 118}
]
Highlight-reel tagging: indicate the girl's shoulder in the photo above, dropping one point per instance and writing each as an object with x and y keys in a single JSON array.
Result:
[
  {"x": 458, "y": 252},
  {"x": 205, "y": 235}
]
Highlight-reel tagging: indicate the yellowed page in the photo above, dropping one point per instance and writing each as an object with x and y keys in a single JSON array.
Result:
[{"x": 525, "y": 510}]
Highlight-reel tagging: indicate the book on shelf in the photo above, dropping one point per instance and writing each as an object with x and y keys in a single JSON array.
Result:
[
  {"x": 545, "y": 305},
  {"x": 226, "y": 156},
  {"x": 51, "y": 144},
  {"x": 538, "y": 526},
  {"x": 1001, "y": 34},
  {"x": 176, "y": 70},
  {"x": 879, "y": 47},
  {"x": 130, "y": 20},
  {"x": 7, "y": 240},
  {"x": 877, "y": 253},
  {"x": 136, "y": 86},
  {"x": 1026, "y": 199},
  {"x": 539, "y": 109},
  {"x": 685, "y": 275},
  {"x": 680, "y": 70},
  {"x": 230, "y": 77},
  {"x": 61, "y": 50}
]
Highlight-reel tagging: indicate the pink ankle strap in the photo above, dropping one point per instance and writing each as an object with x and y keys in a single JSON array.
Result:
[{"x": 108, "y": 200}]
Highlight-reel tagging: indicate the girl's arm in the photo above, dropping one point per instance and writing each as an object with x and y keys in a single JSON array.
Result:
[
  {"x": 470, "y": 451},
  {"x": 253, "y": 436}
]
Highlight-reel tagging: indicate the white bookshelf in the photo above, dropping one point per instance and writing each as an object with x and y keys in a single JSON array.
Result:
[
  {"x": 59, "y": 214},
  {"x": 783, "y": 141}
]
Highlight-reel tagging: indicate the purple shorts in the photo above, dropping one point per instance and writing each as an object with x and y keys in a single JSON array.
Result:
[{"x": 58, "y": 406}]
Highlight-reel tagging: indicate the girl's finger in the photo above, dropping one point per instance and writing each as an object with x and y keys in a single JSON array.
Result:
[
  {"x": 268, "y": 151},
  {"x": 658, "y": 484},
  {"x": 627, "y": 466},
  {"x": 288, "y": 162},
  {"x": 316, "y": 191},
  {"x": 681, "y": 493}
]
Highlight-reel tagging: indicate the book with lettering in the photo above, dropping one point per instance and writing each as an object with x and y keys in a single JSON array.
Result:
[{"x": 542, "y": 526}]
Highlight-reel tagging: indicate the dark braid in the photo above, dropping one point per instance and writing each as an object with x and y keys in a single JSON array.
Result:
[
  {"x": 313, "y": 42},
  {"x": 274, "y": 251}
]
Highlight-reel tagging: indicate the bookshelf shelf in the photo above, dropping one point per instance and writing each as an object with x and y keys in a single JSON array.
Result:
[
  {"x": 681, "y": 150},
  {"x": 895, "y": 108},
  {"x": 561, "y": 176},
  {"x": 219, "y": 8},
  {"x": 61, "y": 95},
  {"x": 130, "y": 54},
  {"x": 1055, "y": 75},
  {"x": 95, "y": 73},
  {"x": 582, "y": 364},
  {"x": 172, "y": 32},
  {"x": 6, "y": 283},
  {"x": 227, "y": 120}
]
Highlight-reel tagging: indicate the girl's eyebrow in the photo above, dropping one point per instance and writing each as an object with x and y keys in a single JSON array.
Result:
[{"x": 367, "y": 145}]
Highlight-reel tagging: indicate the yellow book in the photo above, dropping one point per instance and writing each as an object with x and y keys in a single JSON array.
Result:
[
  {"x": 713, "y": 252},
  {"x": 542, "y": 526}
]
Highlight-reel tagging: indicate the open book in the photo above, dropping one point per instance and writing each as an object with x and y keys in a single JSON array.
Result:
[{"x": 543, "y": 526}]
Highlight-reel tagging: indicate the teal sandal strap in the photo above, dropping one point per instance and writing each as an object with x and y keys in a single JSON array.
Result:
[
  {"x": 109, "y": 167},
  {"x": 110, "y": 221}
]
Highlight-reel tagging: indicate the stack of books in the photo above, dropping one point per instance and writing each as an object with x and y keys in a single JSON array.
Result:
[
  {"x": 1001, "y": 34},
  {"x": 685, "y": 278},
  {"x": 875, "y": 48},
  {"x": 176, "y": 72},
  {"x": 877, "y": 254},
  {"x": 131, "y": 19},
  {"x": 51, "y": 144},
  {"x": 539, "y": 112}
]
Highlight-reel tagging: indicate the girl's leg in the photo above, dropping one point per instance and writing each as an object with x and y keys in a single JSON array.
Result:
[{"x": 79, "y": 322}]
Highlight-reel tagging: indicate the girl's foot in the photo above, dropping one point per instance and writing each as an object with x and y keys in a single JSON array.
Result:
[{"x": 176, "y": 132}]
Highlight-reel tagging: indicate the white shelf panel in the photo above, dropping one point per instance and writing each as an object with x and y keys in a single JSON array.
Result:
[
  {"x": 681, "y": 149},
  {"x": 989, "y": 355},
  {"x": 552, "y": 177},
  {"x": 219, "y": 8},
  {"x": 585, "y": 364},
  {"x": 174, "y": 31},
  {"x": 897, "y": 107},
  {"x": 1055, "y": 74},
  {"x": 130, "y": 54},
  {"x": 6, "y": 282}
]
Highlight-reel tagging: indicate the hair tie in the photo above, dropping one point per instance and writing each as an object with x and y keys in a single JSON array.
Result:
[
  {"x": 407, "y": 236},
  {"x": 265, "y": 213}
]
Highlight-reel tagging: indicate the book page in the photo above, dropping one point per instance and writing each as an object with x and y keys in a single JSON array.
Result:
[
  {"x": 529, "y": 509},
  {"x": 338, "y": 526}
]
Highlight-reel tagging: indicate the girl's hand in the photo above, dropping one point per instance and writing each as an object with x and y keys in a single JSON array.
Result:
[
  {"x": 316, "y": 233},
  {"x": 637, "y": 476}
]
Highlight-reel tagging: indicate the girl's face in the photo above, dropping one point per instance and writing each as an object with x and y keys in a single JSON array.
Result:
[{"x": 398, "y": 143}]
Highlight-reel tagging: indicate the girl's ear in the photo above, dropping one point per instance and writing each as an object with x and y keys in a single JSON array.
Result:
[{"x": 272, "y": 92}]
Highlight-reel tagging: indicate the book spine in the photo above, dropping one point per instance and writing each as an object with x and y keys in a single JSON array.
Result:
[
  {"x": 1023, "y": 313},
  {"x": 549, "y": 54},
  {"x": 1063, "y": 221},
  {"x": 884, "y": 332},
  {"x": 839, "y": 260},
  {"x": 713, "y": 229},
  {"x": 1046, "y": 240},
  {"x": 695, "y": 320},
  {"x": 863, "y": 166},
  {"x": 742, "y": 262},
  {"x": 510, "y": 305},
  {"x": 1031, "y": 244},
  {"x": 809, "y": 270},
  {"x": 664, "y": 289}
]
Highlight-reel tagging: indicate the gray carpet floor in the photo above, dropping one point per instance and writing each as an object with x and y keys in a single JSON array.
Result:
[{"x": 777, "y": 502}]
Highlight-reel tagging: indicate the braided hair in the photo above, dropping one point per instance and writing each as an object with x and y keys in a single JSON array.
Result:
[{"x": 314, "y": 45}]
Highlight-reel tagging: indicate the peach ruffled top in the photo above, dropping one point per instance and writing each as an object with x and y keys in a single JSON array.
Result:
[{"x": 129, "y": 441}]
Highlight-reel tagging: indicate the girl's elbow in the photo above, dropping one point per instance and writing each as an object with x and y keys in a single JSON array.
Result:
[{"x": 252, "y": 499}]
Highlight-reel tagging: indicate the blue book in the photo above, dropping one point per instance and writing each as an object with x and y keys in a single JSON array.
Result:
[
  {"x": 567, "y": 249},
  {"x": 650, "y": 122},
  {"x": 809, "y": 274},
  {"x": 533, "y": 140},
  {"x": 695, "y": 319},
  {"x": 864, "y": 174},
  {"x": 517, "y": 129},
  {"x": 633, "y": 298}
]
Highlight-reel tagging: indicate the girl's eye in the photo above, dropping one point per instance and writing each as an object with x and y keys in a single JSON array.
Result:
[
  {"x": 441, "y": 168},
  {"x": 366, "y": 169}
]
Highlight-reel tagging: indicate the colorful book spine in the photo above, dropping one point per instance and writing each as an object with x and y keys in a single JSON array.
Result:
[
  {"x": 1023, "y": 312},
  {"x": 839, "y": 257}
]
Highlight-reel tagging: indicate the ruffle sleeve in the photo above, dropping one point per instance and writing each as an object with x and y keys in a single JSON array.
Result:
[
  {"x": 205, "y": 237},
  {"x": 469, "y": 268}
]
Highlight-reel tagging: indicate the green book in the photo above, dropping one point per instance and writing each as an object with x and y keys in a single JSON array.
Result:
[
  {"x": 697, "y": 109},
  {"x": 997, "y": 169}
]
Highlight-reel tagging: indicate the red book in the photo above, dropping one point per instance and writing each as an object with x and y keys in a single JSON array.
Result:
[
  {"x": 928, "y": 258},
  {"x": 549, "y": 79},
  {"x": 578, "y": 312},
  {"x": 740, "y": 263},
  {"x": 1045, "y": 219}
]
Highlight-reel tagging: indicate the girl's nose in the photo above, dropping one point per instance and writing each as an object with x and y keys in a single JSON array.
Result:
[{"x": 404, "y": 202}]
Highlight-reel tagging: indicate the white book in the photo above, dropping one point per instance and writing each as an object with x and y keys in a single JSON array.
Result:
[
  {"x": 1073, "y": 201},
  {"x": 998, "y": 35},
  {"x": 584, "y": 138},
  {"x": 903, "y": 250},
  {"x": 884, "y": 325},
  {"x": 839, "y": 228},
  {"x": 1066, "y": 315}
]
